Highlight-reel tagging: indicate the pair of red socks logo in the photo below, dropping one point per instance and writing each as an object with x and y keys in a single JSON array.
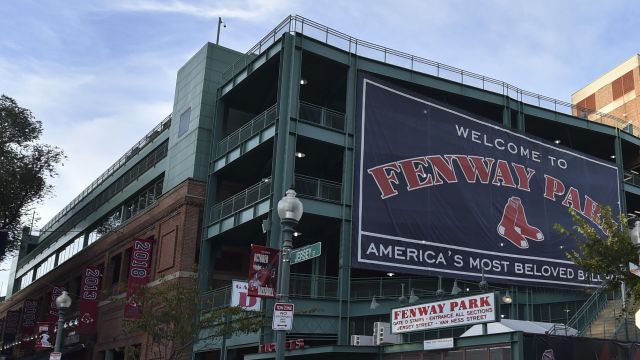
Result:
[{"x": 514, "y": 226}]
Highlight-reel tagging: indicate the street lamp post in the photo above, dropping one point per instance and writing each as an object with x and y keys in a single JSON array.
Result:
[
  {"x": 290, "y": 211},
  {"x": 63, "y": 302}
]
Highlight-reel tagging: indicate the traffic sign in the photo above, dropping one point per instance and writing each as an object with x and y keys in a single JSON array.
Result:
[
  {"x": 638, "y": 319},
  {"x": 282, "y": 316},
  {"x": 305, "y": 253}
]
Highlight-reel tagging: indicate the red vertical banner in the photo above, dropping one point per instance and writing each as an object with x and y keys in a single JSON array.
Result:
[
  {"x": 52, "y": 313},
  {"x": 11, "y": 322},
  {"x": 89, "y": 291},
  {"x": 29, "y": 317},
  {"x": 263, "y": 271},
  {"x": 139, "y": 276},
  {"x": 45, "y": 336}
]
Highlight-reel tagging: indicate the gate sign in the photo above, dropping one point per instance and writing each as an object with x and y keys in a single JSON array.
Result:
[
  {"x": 439, "y": 192},
  {"x": 240, "y": 296},
  {"x": 465, "y": 311}
]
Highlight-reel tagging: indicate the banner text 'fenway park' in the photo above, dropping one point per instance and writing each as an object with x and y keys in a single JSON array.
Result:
[{"x": 439, "y": 192}]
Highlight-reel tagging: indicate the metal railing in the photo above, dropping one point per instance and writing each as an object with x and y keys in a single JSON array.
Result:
[
  {"x": 151, "y": 135},
  {"x": 335, "y": 38},
  {"x": 318, "y": 188},
  {"x": 391, "y": 287},
  {"x": 313, "y": 286},
  {"x": 632, "y": 177},
  {"x": 241, "y": 200},
  {"x": 248, "y": 130},
  {"x": 321, "y": 116},
  {"x": 584, "y": 317},
  {"x": 627, "y": 329},
  {"x": 217, "y": 298}
]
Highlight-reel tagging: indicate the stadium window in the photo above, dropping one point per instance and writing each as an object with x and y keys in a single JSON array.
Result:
[
  {"x": 184, "y": 122},
  {"x": 115, "y": 263}
]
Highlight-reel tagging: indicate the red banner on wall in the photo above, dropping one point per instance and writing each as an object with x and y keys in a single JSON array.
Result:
[
  {"x": 11, "y": 322},
  {"x": 52, "y": 314},
  {"x": 91, "y": 279},
  {"x": 263, "y": 271},
  {"x": 139, "y": 276},
  {"x": 29, "y": 317}
]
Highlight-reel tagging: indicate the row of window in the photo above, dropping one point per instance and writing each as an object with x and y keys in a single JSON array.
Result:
[
  {"x": 70, "y": 250},
  {"x": 138, "y": 169},
  {"x": 143, "y": 199},
  {"x": 619, "y": 87},
  {"x": 46, "y": 266},
  {"x": 27, "y": 279}
]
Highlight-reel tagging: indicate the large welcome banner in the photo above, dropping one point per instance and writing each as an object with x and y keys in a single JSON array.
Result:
[{"x": 439, "y": 192}]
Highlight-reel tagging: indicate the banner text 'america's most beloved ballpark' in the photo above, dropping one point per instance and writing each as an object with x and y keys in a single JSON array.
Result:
[{"x": 442, "y": 193}]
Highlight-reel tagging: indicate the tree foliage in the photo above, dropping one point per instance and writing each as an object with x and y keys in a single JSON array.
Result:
[
  {"x": 175, "y": 315},
  {"x": 25, "y": 167},
  {"x": 606, "y": 250}
]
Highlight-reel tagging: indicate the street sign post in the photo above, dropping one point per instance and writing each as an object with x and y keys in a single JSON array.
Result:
[
  {"x": 305, "y": 253},
  {"x": 282, "y": 316}
]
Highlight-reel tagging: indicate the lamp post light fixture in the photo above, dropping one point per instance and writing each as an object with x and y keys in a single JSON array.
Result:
[
  {"x": 290, "y": 211},
  {"x": 63, "y": 302}
]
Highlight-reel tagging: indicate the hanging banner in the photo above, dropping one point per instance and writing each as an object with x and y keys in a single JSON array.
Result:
[
  {"x": 29, "y": 317},
  {"x": 12, "y": 320},
  {"x": 240, "y": 296},
  {"x": 439, "y": 192},
  {"x": 90, "y": 289},
  {"x": 45, "y": 336},
  {"x": 139, "y": 276},
  {"x": 263, "y": 271},
  {"x": 52, "y": 314}
]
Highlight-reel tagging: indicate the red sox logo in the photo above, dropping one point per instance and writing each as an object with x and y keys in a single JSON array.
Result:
[
  {"x": 514, "y": 226},
  {"x": 86, "y": 318}
]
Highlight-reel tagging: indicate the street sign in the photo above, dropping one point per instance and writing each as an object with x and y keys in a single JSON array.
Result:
[
  {"x": 282, "y": 316},
  {"x": 55, "y": 356},
  {"x": 634, "y": 269},
  {"x": 305, "y": 253}
]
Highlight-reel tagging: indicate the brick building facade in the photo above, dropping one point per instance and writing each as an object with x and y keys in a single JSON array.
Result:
[
  {"x": 615, "y": 93},
  {"x": 173, "y": 222}
]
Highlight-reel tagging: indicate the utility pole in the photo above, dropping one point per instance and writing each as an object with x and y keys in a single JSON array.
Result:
[{"x": 220, "y": 22}]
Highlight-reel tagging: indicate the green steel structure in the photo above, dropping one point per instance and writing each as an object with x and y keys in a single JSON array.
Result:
[{"x": 283, "y": 115}]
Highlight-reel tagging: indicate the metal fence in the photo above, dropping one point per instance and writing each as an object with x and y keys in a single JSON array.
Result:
[
  {"x": 318, "y": 188},
  {"x": 245, "y": 198},
  {"x": 217, "y": 298},
  {"x": 313, "y": 286},
  {"x": 335, "y": 38},
  {"x": 321, "y": 116},
  {"x": 248, "y": 130}
]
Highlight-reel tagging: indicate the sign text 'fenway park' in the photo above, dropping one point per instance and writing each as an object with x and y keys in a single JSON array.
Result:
[{"x": 440, "y": 192}]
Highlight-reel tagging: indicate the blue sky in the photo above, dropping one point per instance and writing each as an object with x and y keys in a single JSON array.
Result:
[{"x": 101, "y": 74}]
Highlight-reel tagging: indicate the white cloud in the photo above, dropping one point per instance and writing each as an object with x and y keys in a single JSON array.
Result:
[{"x": 250, "y": 10}]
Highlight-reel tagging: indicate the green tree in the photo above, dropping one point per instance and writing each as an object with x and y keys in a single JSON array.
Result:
[
  {"x": 170, "y": 310},
  {"x": 25, "y": 166},
  {"x": 607, "y": 252}
]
